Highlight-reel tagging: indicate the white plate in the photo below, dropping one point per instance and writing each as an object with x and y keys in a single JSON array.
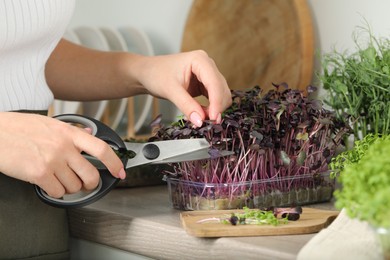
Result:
[
  {"x": 67, "y": 107},
  {"x": 71, "y": 36},
  {"x": 138, "y": 42},
  {"x": 93, "y": 38},
  {"x": 117, "y": 108},
  {"x": 114, "y": 39}
]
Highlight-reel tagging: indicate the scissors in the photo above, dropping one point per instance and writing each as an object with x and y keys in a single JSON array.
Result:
[{"x": 159, "y": 152}]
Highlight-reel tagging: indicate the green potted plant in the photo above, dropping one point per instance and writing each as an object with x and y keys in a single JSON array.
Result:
[
  {"x": 358, "y": 84},
  {"x": 282, "y": 141},
  {"x": 364, "y": 173}
]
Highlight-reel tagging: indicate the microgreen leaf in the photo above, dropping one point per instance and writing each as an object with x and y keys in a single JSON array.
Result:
[
  {"x": 284, "y": 156},
  {"x": 301, "y": 158}
]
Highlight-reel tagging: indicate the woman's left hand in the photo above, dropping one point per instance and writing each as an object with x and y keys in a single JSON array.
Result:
[
  {"x": 181, "y": 77},
  {"x": 74, "y": 72}
]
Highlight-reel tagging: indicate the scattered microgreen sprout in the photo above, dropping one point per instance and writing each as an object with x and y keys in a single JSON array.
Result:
[
  {"x": 180, "y": 121},
  {"x": 253, "y": 217},
  {"x": 124, "y": 153},
  {"x": 127, "y": 154},
  {"x": 282, "y": 141},
  {"x": 292, "y": 213}
]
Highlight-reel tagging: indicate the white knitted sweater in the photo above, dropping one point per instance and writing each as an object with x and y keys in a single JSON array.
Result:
[{"x": 29, "y": 31}]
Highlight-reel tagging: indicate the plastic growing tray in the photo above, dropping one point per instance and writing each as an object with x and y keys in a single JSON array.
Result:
[{"x": 287, "y": 191}]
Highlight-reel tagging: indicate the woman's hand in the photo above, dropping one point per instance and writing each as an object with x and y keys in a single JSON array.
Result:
[
  {"x": 180, "y": 77},
  {"x": 74, "y": 72},
  {"x": 47, "y": 152}
]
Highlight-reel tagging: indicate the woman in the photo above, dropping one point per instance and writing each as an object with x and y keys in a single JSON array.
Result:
[{"x": 36, "y": 65}]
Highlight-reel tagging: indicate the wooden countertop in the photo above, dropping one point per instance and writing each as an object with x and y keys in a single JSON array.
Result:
[{"x": 141, "y": 220}]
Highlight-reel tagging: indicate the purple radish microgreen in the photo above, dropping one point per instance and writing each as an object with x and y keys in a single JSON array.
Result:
[{"x": 281, "y": 135}]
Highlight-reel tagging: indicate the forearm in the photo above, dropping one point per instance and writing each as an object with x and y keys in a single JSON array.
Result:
[
  {"x": 77, "y": 73},
  {"x": 74, "y": 72}
]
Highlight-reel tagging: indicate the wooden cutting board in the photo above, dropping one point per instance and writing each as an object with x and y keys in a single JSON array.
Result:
[
  {"x": 254, "y": 42},
  {"x": 311, "y": 221}
]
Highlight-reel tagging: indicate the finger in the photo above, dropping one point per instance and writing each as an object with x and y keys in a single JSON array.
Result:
[
  {"x": 88, "y": 130},
  {"x": 87, "y": 175},
  {"x": 218, "y": 103},
  {"x": 101, "y": 150},
  {"x": 219, "y": 96},
  {"x": 51, "y": 185},
  {"x": 215, "y": 84},
  {"x": 68, "y": 179},
  {"x": 189, "y": 106}
]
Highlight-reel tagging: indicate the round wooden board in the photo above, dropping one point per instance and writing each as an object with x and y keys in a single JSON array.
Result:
[{"x": 254, "y": 42}]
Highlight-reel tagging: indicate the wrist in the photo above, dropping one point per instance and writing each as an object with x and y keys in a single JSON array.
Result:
[{"x": 132, "y": 67}]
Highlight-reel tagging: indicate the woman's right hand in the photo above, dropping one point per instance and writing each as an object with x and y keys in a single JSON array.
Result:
[{"x": 47, "y": 152}]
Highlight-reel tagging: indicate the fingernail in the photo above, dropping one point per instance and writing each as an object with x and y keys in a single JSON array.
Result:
[
  {"x": 219, "y": 118},
  {"x": 122, "y": 174},
  {"x": 88, "y": 129},
  {"x": 196, "y": 119}
]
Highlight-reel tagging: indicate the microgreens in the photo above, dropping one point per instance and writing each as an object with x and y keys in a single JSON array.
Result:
[
  {"x": 280, "y": 136},
  {"x": 359, "y": 84},
  {"x": 253, "y": 217},
  {"x": 352, "y": 156},
  {"x": 365, "y": 179}
]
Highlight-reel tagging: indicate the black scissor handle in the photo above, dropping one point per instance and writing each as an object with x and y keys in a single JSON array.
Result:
[{"x": 107, "y": 181}]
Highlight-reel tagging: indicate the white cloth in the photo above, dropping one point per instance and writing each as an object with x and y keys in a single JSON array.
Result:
[
  {"x": 29, "y": 31},
  {"x": 345, "y": 238}
]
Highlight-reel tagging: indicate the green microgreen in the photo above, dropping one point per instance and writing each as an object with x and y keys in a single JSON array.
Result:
[
  {"x": 365, "y": 179},
  {"x": 124, "y": 153},
  {"x": 180, "y": 121},
  {"x": 352, "y": 156},
  {"x": 249, "y": 217},
  {"x": 358, "y": 84}
]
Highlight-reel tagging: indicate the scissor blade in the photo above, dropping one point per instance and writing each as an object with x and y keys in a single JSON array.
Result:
[
  {"x": 194, "y": 156},
  {"x": 168, "y": 149}
]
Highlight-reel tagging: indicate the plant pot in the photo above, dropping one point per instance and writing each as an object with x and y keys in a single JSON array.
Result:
[
  {"x": 383, "y": 235},
  {"x": 287, "y": 191}
]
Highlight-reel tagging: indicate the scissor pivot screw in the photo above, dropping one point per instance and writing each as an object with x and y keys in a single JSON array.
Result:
[{"x": 151, "y": 151}]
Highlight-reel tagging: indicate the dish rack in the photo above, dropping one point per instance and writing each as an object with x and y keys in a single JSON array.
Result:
[{"x": 130, "y": 116}]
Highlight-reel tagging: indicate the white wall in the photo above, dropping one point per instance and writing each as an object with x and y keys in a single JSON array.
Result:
[
  {"x": 164, "y": 20},
  {"x": 335, "y": 20}
]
